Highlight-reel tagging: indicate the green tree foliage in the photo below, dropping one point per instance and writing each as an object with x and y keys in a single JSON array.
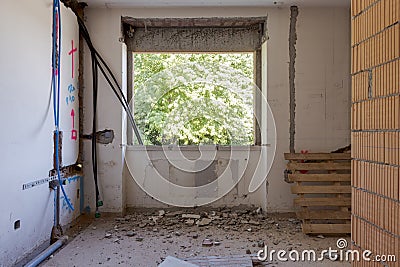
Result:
[{"x": 191, "y": 99}]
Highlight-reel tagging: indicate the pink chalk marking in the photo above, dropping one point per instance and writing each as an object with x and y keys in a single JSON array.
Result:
[
  {"x": 74, "y": 133},
  {"x": 73, "y": 118},
  {"x": 71, "y": 53}
]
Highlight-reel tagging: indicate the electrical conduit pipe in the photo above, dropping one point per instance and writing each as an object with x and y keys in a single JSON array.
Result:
[{"x": 47, "y": 252}]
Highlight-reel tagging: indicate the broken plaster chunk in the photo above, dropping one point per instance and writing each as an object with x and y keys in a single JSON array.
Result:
[
  {"x": 130, "y": 233},
  {"x": 204, "y": 222},
  {"x": 190, "y": 216},
  {"x": 234, "y": 215},
  {"x": 174, "y": 213},
  {"x": 253, "y": 222},
  {"x": 141, "y": 225},
  {"x": 189, "y": 222},
  {"x": 154, "y": 219},
  {"x": 207, "y": 243},
  {"x": 120, "y": 219},
  {"x": 161, "y": 213}
]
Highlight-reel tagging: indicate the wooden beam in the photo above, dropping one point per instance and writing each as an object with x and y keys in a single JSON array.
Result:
[
  {"x": 321, "y": 189},
  {"x": 298, "y": 177},
  {"x": 326, "y": 228},
  {"x": 324, "y": 214},
  {"x": 319, "y": 166},
  {"x": 318, "y": 156},
  {"x": 325, "y": 201}
]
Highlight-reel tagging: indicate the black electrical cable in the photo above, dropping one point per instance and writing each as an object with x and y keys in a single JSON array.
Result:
[
  {"x": 120, "y": 96},
  {"x": 94, "y": 127},
  {"x": 96, "y": 65}
]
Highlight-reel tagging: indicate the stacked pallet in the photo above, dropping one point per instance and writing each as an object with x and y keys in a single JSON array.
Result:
[
  {"x": 322, "y": 185},
  {"x": 376, "y": 128}
]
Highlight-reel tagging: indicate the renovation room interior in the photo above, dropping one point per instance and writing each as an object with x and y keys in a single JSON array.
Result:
[{"x": 200, "y": 133}]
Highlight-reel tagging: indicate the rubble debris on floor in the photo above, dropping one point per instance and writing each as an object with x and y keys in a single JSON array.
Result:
[{"x": 145, "y": 237}]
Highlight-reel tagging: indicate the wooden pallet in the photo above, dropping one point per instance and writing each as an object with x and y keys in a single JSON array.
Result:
[{"x": 322, "y": 184}]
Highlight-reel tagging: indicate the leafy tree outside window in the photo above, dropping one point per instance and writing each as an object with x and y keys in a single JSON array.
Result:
[{"x": 194, "y": 99}]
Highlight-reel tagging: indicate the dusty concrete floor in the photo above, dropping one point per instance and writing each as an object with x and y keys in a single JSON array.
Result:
[{"x": 146, "y": 237}]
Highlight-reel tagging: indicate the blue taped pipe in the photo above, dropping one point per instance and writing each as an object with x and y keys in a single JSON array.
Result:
[{"x": 47, "y": 252}]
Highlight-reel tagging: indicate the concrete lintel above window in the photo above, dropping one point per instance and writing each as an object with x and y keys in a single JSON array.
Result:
[
  {"x": 244, "y": 34},
  {"x": 229, "y": 22}
]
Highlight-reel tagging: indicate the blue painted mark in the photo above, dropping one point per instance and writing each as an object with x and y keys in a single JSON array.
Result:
[
  {"x": 64, "y": 203},
  {"x": 71, "y": 88},
  {"x": 74, "y": 178},
  {"x": 70, "y": 180},
  {"x": 70, "y": 99}
]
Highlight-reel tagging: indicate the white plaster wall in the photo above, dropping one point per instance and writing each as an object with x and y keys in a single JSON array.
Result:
[
  {"x": 322, "y": 80},
  {"x": 26, "y": 138},
  {"x": 322, "y": 92}
]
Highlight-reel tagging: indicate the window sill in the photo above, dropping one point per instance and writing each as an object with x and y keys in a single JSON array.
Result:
[{"x": 195, "y": 148}]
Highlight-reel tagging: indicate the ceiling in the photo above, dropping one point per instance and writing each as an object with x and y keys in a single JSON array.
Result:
[{"x": 213, "y": 3}]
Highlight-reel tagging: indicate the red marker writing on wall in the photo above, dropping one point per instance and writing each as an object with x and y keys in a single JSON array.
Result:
[
  {"x": 74, "y": 133},
  {"x": 71, "y": 53}
]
